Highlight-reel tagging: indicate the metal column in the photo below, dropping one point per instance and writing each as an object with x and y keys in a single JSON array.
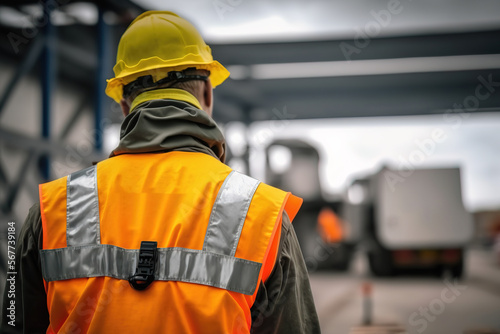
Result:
[
  {"x": 102, "y": 61},
  {"x": 47, "y": 82}
]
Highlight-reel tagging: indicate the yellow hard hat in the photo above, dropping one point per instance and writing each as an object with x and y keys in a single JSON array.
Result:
[{"x": 158, "y": 42}]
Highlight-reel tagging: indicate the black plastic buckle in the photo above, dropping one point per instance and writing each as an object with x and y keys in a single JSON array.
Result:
[
  {"x": 145, "y": 271},
  {"x": 141, "y": 82}
]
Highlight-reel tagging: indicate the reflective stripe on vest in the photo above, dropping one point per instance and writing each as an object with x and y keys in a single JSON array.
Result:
[
  {"x": 229, "y": 213},
  {"x": 215, "y": 265},
  {"x": 82, "y": 208}
]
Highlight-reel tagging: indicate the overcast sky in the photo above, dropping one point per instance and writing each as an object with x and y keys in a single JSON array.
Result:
[{"x": 258, "y": 20}]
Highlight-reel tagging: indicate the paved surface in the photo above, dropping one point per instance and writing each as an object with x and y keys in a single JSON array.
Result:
[{"x": 420, "y": 304}]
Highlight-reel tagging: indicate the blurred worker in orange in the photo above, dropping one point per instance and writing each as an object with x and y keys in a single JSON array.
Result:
[
  {"x": 329, "y": 226},
  {"x": 163, "y": 237}
]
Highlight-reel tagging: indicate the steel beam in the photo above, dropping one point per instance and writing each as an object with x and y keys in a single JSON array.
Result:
[
  {"x": 24, "y": 67},
  {"x": 73, "y": 119},
  {"x": 13, "y": 190},
  {"x": 47, "y": 147}
]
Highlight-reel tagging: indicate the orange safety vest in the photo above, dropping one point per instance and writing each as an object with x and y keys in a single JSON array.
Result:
[
  {"x": 217, "y": 234},
  {"x": 329, "y": 226}
]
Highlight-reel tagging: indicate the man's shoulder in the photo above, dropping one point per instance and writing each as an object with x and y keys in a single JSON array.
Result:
[{"x": 32, "y": 227}]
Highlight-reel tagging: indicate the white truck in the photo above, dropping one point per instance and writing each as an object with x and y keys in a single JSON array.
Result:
[{"x": 411, "y": 219}]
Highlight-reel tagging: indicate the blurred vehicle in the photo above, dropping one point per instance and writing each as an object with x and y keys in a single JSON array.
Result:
[
  {"x": 410, "y": 219},
  {"x": 324, "y": 237}
]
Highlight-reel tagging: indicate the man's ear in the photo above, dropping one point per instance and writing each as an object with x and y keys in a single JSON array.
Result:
[
  {"x": 125, "y": 107},
  {"x": 208, "y": 96}
]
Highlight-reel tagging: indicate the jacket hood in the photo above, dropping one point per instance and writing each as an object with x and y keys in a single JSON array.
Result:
[{"x": 164, "y": 125}]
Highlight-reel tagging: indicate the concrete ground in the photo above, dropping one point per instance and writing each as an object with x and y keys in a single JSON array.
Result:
[{"x": 417, "y": 303}]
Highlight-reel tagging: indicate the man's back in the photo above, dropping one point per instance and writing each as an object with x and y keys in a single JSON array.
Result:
[{"x": 216, "y": 234}]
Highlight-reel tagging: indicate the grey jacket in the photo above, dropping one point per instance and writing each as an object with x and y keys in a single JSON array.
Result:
[{"x": 284, "y": 303}]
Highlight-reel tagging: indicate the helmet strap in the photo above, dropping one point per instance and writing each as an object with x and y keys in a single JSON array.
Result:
[{"x": 172, "y": 77}]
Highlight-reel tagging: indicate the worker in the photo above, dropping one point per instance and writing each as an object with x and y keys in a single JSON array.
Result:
[
  {"x": 329, "y": 226},
  {"x": 162, "y": 237}
]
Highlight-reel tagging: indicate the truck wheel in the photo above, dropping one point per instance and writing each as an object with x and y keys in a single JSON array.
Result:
[
  {"x": 380, "y": 263},
  {"x": 439, "y": 271},
  {"x": 458, "y": 269}
]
